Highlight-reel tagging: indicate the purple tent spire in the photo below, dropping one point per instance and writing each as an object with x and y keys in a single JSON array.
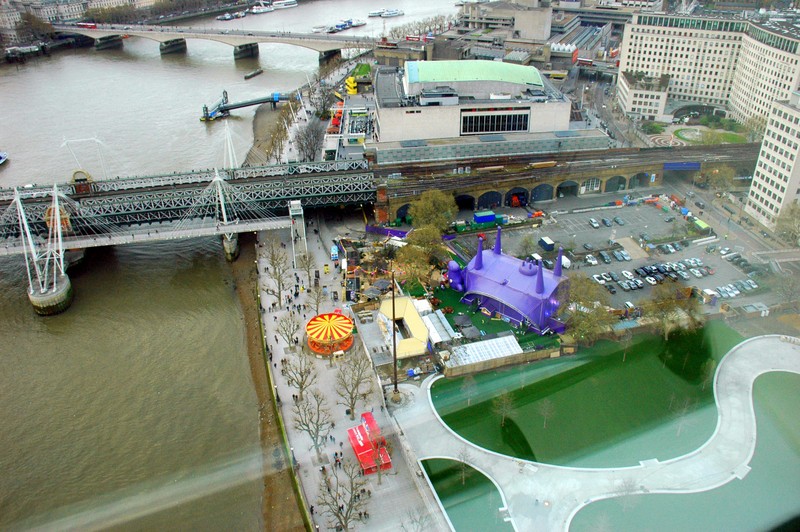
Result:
[
  {"x": 497, "y": 245},
  {"x": 540, "y": 281},
  {"x": 557, "y": 269},
  {"x": 479, "y": 256}
]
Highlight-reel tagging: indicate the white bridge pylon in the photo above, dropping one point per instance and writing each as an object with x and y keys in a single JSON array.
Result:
[{"x": 44, "y": 261}]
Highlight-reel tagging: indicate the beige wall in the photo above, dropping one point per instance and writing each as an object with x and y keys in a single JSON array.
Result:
[{"x": 433, "y": 122}]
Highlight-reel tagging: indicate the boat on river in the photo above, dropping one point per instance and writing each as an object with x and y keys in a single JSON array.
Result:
[
  {"x": 226, "y": 16},
  {"x": 284, "y": 4},
  {"x": 392, "y": 13},
  {"x": 376, "y": 13},
  {"x": 3, "y": 157},
  {"x": 320, "y": 29},
  {"x": 358, "y": 23},
  {"x": 261, "y": 7},
  {"x": 254, "y": 73}
]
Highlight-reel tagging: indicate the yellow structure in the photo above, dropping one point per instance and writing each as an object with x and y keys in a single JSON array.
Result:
[{"x": 412, "y": 335}]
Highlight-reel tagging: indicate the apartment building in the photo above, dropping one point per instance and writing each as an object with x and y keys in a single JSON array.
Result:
[
  {"x": 698, "y": 56},
  {"x": 776, "y": 180},
  {"x": 732, "y": 64},
  {"x": 768, "y": 69}
]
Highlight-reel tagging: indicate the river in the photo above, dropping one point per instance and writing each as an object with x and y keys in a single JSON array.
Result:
[{"x": 135, "y": 409}]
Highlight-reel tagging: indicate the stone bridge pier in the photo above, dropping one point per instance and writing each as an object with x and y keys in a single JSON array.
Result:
[
  {"x": 329, "y": 56},
  {"x": 245, "y": 50}
]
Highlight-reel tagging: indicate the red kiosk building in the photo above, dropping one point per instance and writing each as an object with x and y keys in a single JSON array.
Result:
[{"x": 369, "y": 445}]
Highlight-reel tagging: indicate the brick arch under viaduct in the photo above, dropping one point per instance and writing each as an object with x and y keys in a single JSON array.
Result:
[{"x": 533, "y": 190}]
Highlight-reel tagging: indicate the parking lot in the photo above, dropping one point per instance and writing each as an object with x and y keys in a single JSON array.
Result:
[{"x": 573, "y": 230}]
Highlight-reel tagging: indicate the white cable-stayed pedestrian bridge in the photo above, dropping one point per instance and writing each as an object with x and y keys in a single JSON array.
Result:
[{"x": 42, "y": 222}]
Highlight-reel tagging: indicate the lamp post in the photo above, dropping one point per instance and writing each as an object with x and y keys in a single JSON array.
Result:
[{"x": 395, "y": 391}]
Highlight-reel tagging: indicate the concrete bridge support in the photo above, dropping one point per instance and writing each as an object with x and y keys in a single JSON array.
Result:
[
  {"x": 230, "y": 244},
  {"x": 246, "y": 50},
  {"x": 54, "y": 301},
  {"x": 331, "y": 55},
  {"x": 110, "y": 41},
  {"x": 175, "y": 46}
]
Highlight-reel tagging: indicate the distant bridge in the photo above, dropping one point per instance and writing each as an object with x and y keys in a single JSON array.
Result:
[{"x": 241, "y": 39}]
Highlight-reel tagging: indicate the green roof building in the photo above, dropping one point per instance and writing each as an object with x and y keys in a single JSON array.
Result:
[{"x": 489, "y": 72}]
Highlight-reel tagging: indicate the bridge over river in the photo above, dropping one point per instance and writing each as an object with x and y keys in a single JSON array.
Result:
[
  {"x": 244, "y": 41},
  {"x": 42, "y": 222}
]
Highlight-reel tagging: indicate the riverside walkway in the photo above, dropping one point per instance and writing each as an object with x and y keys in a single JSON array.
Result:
[{"x": 546, "y": 497}]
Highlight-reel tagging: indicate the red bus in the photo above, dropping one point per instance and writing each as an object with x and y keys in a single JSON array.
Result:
[
  {"x": 582, "y": 61},
  {"x": 87, "y": 25}
]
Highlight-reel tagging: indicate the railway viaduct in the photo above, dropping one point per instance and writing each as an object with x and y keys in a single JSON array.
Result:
[{"x": 487, "y": 187}]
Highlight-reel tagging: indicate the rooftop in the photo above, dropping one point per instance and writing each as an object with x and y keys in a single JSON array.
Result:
[{"x": 476, "y": 70}]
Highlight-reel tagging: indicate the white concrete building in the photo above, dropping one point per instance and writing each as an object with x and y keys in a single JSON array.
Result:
[
  {"x": 730, "y": 64},
  {"x": 768, "y": 69},
  {"x": 776, "y": 180},
  {"x": 447, "y": 99},
  {"x": 698, "y": 55}
]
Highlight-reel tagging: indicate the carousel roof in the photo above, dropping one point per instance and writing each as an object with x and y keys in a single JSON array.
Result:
[{"x": 329, "y": 327}]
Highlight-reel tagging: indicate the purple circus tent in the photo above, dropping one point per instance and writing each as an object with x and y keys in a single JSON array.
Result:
[{"x": 523, "y": 292}]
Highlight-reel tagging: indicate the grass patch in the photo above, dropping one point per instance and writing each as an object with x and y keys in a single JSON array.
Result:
[
  {"x": 361, "y": 70},
  {"x": 597, "y": 400},
  {"x": 471, "y": 505},
  {"x": 528, "y": 341}
]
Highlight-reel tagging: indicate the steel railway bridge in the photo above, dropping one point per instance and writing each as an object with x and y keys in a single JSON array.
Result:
[{"x": 42, "y": 222}]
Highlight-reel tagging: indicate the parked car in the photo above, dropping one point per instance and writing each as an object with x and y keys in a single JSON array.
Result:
[
  {"x": 618, "y": 255},
  {"x": 619, "y": 220},
  {"x": 677, "y": 246},
  {"x": 607, "y": 222},
  {"x": 588, "y": 247},
  {"x": 732, "y": 289},
  {"x": 639, "y": 283},
  {"x": 593, "y": 223},
  {"x": 724, "y": 251},
  {"x": 700, "y": 204},
  {"x": 683, "y": 275},
  {"x": 604, "y": 257},
  {"x": 628, "y": 275},
  {"x": 606, "y": 277},
  {"x": 611, "y": 289},
  {"x": 752, "y": 283},
  {"x": 669, "y": 219},
  {"x": 598, "y": 279},
  {"x": 696, "y": 273},
  {"x": 590, "y": 260},
  {"x": 651, "y": 281},
  {"x": 644, "y": 236},
  {"x": 614, "y": 276},
  {"x": 624, "y": 285},
  {"x": 625, "y": 255}
]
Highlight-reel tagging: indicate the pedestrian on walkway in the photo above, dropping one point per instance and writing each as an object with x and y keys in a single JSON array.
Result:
[
  {"x": 311, "y": 508},
  {"x": 341, "y": 444}
]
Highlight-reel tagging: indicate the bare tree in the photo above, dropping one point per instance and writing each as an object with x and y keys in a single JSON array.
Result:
[
  {"x": 321, "y": 97},
  {"x": 469, "y": 388},
  {"x": 682, "y": 415},
  {"x": 307, "y": 263},
  {"x": 300, "y": 372},
  {"x": 316, "y": 296},
  {"x": 309, "y": 139},
  {"x": 340, "y": 496},
  {"x": 708, "y": 369},
  {"x": 527, "y": 246},
  {"x": 279, "y": 268},
  {"x": 503, "y": 406},
  {"x": 546, "y": 410},
  {"x": 464, "y": 458},
  {"x": 288, "y": 325},
  {"x": 627, "y": 489},
  {"x": 354, "y": 381},
  {"x": 625, "y": 340},
  {"x": 313, "y": 417},
  {"x": 416, "y": 520},
  {"x": 788, "y": 290}
]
